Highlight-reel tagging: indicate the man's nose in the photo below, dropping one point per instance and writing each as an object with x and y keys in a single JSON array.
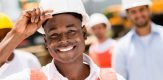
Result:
[
  {"x": 64, "y": 39},
  {"x": 138, "y": 14}
]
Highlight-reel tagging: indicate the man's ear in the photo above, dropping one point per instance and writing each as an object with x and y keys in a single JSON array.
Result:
[
  {"x": 45, "y": 41},
  {"x": 127, "y": 14},
  {"x": 84, "y": 30}
]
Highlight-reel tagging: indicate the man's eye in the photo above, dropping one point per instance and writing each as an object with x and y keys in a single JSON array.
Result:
[
  {"x": 142, "y": 9},
  {"x": 54, "y": 36},
  {"x": 133, "y": 12},
  {"x": 72, "y": 32}
]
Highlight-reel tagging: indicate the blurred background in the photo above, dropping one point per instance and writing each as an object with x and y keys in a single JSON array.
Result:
[{"x": 111, "y": 8}]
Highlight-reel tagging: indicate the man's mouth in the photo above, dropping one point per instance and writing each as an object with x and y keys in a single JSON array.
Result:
[{"x": 66, "y": 49}]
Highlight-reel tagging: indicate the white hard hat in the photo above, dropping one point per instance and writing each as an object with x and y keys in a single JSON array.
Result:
[
  {"x": 126, "y": 4},
  {"x": 98, "y": 18},
  {"x": 63, "y": 6}
]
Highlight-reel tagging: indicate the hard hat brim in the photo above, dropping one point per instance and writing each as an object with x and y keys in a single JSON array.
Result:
[
  {"x": 84, "y": 20},
  {"x": 126, "y": 7}
]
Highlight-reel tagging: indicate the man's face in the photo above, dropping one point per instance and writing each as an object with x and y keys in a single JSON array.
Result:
[
  {"x": 99, "y": 30},
  {"x": 140, "y": 16},
  {"x": 64, "y": 38},
  {"x": 3, "y": 33}
]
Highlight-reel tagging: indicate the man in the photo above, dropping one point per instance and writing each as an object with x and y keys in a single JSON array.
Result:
[
  {"x": 101, "y": 50},
  {"x": 139, "y": 54},
  {"x": 64, "y": 32},
  {"x": 18, "y": 60}
]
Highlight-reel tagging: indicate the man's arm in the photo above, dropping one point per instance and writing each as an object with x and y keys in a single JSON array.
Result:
[
  {"x": 28, "y": 23},
  {"x": 8, "y": 44},
  {"x": 119, "y": 61}
]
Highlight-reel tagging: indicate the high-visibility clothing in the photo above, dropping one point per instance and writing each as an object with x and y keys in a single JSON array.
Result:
[
  {"x": 102, "y": 53},
  {"x": 105, "y": 74},
  {"x": 50, "y": 72}
]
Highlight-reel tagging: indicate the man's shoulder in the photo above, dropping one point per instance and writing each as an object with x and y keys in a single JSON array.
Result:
[
  {"x": 126, "y": 39},
  {"x": 47, "y": 67},
  {"x": 23, "y": 75},
  {"x": 27, "y": 58},
  {"x": 22, "y": 53},
  {"x": 19, "y": 52},
  {"x": 160, "y": 26},
  {"x": 158, "y": 29},
  {"x": 111, "y": 41}
]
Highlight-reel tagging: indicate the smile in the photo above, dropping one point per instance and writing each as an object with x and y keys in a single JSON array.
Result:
[{"x": 66, "y": 49}]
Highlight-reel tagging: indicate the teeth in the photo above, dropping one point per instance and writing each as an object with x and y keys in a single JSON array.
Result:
[{"x": 65, "y": 49}]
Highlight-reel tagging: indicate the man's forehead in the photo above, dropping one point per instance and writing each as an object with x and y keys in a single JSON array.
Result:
[
  {"x": 138, "y": 7},
  {"x": 63, "y": 19}
]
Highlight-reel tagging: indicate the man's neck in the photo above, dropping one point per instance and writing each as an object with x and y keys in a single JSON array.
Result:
[
  {"x": 75, "y": 70},
  {"x": 101, "y": 40},
  {"x": 143, "y": 31}
]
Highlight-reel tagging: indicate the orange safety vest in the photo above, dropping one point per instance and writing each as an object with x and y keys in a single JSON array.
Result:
[
  {"x": 102, "y": 59},
  {"x": 105, "y": 74}
]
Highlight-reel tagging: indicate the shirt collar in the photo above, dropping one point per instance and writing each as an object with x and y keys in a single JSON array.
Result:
[
  {"x": 53, "y": 72},
  {"x": 154, "y": 30}
]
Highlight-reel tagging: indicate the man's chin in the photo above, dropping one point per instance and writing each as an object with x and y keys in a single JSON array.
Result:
[
  {"x": 141, "y": 25},
  {"x": 67, "y": 59},
  {"x": 63, "y": 57}
]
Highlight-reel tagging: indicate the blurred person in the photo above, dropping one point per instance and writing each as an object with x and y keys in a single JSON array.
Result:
[
  {"x": 101, "y": 50},
  {"x": 11, "y": 8},
  {"x": 64, "y": 31},
  {"x": 139, "y": 54},
  {"x": 18, "y": 60}
]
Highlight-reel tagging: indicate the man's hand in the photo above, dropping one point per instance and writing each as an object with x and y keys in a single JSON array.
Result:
[{"x": 30, "y": 21}]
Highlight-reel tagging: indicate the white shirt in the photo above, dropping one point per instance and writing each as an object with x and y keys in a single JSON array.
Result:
[
  {"x": 52, "y": 73},
  {"x": 102, "y": 47},
  {"x": 135, "y": 60},
  {"x": 145, "y": 39},
  {"x": 21, "y": 61}
]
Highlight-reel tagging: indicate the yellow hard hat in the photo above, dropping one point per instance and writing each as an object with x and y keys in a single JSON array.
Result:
[{"x": 5, "y": 22}]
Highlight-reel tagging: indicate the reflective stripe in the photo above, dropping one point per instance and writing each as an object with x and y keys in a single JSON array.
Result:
[
  {"x": 37, "y": 74},
  {"x": 103, "y": 60},
  {"x": 108, "y": 74},
  {"x": 105, "y": 74}
]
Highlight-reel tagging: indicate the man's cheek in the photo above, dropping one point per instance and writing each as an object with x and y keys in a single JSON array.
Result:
[
  {"x": 52, "y": 52},
  {"x": 79, "y": 38}
]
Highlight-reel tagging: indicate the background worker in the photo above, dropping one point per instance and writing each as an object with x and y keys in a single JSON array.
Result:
[
  {"x": 101, "y": 50},
  {"x": 139, "y": 54},
  {"x": 18, "y": 60}
]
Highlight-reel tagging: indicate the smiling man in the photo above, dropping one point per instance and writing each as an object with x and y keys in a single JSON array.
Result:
[
  {"x": 64, "y": 36},
  {"x": 139, "y": 54},
  {"x": 64, "y": 32}
]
